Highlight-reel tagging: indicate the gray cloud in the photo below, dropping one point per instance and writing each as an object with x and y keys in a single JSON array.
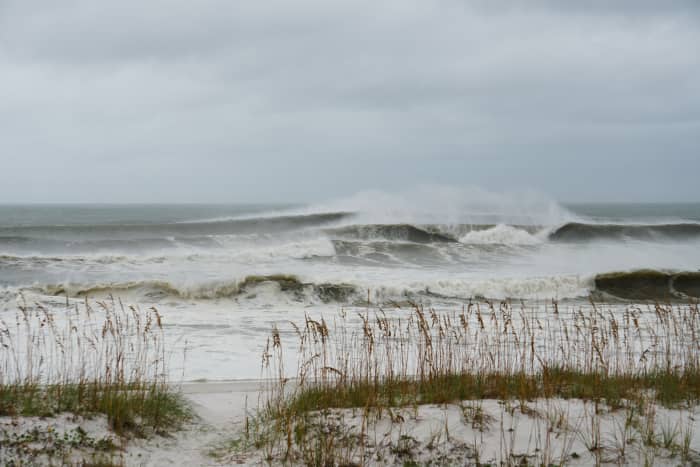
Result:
[{"x": 275, "y": 101}]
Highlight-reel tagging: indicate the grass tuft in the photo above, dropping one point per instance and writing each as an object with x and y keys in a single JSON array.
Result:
[
  {"x": 101, "y": 358},
  {"x": 372, "y": 363}
]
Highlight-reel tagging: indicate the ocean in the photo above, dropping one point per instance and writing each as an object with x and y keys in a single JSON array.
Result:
[{"x": 223, "y": 275}]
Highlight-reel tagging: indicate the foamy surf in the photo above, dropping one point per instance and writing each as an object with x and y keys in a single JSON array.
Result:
[
  {"x": 281, "y": 288},
  {"x": 450, "y": 242},
  {"x": 502, "y": 235},
  {"x": 223, "y": 275}
]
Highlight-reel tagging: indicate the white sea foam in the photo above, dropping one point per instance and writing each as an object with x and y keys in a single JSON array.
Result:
[
  {"x": 565, "y": 286},
  {"x": 502, "y": 235},
  {"x": 273, "y": 249},
  {"x": 430, "y": 204}
]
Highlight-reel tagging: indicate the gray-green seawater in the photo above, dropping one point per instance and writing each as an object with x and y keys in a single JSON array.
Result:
[{"x": 490, "y": 248}]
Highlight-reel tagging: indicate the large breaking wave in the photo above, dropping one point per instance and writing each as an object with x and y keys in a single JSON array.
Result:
[
  {"x": 333, "y": 225},
  {"x": 576, "y": 231},
  {"x": 639, "y": 285},
  {"x": 431, "y": 244}
]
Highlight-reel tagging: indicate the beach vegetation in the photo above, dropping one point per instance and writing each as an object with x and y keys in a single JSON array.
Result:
[
  {"x": 614, "y": 366},
  {"x": 89, "y": 359}
]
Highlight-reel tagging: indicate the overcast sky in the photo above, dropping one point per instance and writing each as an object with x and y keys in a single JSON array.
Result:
[{"x": 245, "y": 101}]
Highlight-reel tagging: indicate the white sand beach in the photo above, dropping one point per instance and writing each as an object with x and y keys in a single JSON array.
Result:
[{"x": 485, "y": 431}]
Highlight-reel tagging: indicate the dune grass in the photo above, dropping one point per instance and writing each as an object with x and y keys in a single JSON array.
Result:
[
  {"x": 89, "y": 359},
  {"x": 668, "y": 388},
  {"x": 375, "y": 362}
]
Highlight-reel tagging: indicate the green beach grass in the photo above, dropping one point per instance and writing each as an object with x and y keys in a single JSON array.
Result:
[
  {"x": 94, "y": 359},
  {"x": 630, "y": 359}
]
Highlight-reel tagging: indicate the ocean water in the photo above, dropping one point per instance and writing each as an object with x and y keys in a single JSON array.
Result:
[{"x": 222, "y": 275}]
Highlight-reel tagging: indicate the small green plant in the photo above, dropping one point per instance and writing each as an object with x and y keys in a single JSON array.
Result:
[
  {"x": 686, "y": 433},
  {"x": 668, "y": 434}
]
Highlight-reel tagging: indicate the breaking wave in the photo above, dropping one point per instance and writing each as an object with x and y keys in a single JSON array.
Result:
[
  {"x": 649, "y": 284},
  {"x": 253, "y": 225},
  {"x": 291, "y": 286},
  {"x": 575, "y": 231},
  {"x": 426, "y": 243},
  {"x": 286, "y": 284},
  {"x": 502, "y": 235},
  {"x": 396, "y": 232},
  {"x": 639, "y": 285}
]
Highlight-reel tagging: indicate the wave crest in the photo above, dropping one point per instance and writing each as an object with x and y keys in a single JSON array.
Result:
[
  {"x": 285, "y": 284},
  {"x": 501, "y": 235},
  {"x": 649, "y": 284},
  {"x": 576, "y": 231}
]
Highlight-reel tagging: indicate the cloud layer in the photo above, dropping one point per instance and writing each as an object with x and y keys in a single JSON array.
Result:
[{"x": 274, "y": 101}]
